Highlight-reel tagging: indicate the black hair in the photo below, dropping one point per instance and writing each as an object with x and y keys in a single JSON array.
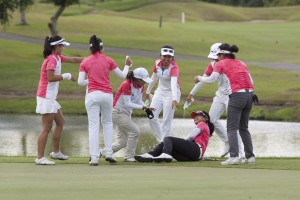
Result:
[
  {"x": 232, "y": 48},
  {"x": 48, "y": 48},
  {"x": 95, "y": 42},
  {"x": 210, "y": 125},
  {"x": 130, "y": 76}
]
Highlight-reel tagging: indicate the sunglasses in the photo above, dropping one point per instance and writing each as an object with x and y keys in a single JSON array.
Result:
[
  {"x": 167, "y": 50},
  {"x": 200, "y": 113}
]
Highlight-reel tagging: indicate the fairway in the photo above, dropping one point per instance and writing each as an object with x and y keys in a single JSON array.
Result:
[{"x": 80, "y": 181}]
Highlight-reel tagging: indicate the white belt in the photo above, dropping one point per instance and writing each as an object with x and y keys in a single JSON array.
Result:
[{"x": 245, "y": 90}]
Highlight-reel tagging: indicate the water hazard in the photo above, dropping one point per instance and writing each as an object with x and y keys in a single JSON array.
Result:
[{"x": 18, "y": 137}]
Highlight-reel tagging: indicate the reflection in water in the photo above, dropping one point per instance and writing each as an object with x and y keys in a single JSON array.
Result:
[{"x": 18, "y": 136}]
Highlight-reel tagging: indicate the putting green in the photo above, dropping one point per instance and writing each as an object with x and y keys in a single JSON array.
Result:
[{"x": 142, "y": 182}]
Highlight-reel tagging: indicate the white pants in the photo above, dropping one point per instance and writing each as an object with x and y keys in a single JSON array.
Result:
[
  {"x": 162, "y": 101},
  {"x": 218, "y": 106},
  {"x": 128, "y": 133},
  {"x": 99, "y": 105}
]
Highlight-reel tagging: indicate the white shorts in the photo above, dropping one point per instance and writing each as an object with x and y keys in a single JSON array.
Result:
[{"x": 44, "y": 106}]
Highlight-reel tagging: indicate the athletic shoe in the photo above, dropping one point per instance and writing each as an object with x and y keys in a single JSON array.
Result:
[
  {"x": 226, "y": 149},
  {"x": 130, "y": 160},
  {"x": 110, "y": 159},
  {"x": 43, "y": 161},
  {"x": 250, "y": 160},
  {"x": 146, "y": 157},
  {"x": 58, "y": 156},
  {"x": 94, "y": 162},
  {"x": 232, "y": 161},
  {"x": 163, "y": 158}
]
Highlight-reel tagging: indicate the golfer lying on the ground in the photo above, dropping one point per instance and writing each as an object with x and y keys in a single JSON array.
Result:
[{"x": 192, "y": 148}]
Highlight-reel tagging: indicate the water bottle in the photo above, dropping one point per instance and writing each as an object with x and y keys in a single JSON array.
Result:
[{"x": 187, "y": 104}]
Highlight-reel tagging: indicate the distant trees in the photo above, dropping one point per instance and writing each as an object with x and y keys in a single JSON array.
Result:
[
  {"x": 62, "y": 4},
  {"x": 23, "y": 5},
  {"x": 255, "y": 3}
]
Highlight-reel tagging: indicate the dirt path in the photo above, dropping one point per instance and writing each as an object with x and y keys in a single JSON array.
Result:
[{"x": 147, "y": 54}]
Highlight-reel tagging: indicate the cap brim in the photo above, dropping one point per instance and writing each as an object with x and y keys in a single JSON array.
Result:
[
  {"x": 212, "y": 56},
  {"x": 65, "y": 43},
  {"x": 193, "y": 115},
  {"x": 147, "y": 80}
]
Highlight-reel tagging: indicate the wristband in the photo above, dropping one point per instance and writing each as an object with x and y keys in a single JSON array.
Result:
[{"x": 67, "y": 76}]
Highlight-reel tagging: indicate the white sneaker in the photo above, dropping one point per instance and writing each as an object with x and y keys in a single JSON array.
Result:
[
  {"x": 163, "y": 158},
  {"x": 146, "y": 157},
  {"x": 94, "y": 162},
  {"x": 130, "y": 160},
  {"x": 232, "y": 161},
  {"x": 110, "y": 159},
  {"x": 58, "y": 156},
  {"x": 226, "y": 149},
  {"x": 250, "y": 160},
  {"x": 43, "y": 161}
]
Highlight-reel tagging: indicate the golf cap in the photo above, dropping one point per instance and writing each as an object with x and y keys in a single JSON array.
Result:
[
  {"x": 142, "y": 73},
  {"x": 167, "y": 51},
  {"x": 213, "y": 51},
  {"x": 199, "y": 112},
  {"x": 61, "y": 41}
]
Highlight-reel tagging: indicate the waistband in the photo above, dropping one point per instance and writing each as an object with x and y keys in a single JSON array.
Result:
[{"x": 245, "y": 90}]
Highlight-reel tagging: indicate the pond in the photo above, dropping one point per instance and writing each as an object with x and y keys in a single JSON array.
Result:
[{"x": 18, "y": 137}]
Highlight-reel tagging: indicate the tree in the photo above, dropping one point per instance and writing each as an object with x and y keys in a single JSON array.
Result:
[
  {"x": 62, "y": 4},
  {"x": 23, "y": 4},
  {"x": 6, "y": 8}
]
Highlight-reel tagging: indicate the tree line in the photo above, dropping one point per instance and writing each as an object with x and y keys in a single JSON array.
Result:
[{"x": 255, "y": 3}]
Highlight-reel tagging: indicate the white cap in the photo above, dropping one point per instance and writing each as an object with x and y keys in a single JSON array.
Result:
[
  {"x": 167, "y": 51},
  {"x": 61, "y": 41},
  {"x": 142, "y": 73},
  {"x": 213, "y": 51}
]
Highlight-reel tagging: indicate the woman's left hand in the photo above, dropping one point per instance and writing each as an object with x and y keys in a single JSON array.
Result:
[{"x": 197, "y": 79}]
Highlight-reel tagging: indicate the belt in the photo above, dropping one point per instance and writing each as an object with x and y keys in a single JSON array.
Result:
[{"x": 245, "y": 90}]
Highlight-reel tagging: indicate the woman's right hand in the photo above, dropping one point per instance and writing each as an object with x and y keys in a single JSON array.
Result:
[
  {"x": 128, "y": 61},
  {"x": 189, "y": 98}
]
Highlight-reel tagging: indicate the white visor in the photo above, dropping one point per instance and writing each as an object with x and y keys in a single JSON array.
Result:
[
  {"x": 61, "y": 41},
  {"x": 167, "y": 51},
  {"x": 223, "y": 52}
]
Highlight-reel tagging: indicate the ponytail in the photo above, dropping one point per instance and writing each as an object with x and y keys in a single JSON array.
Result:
[
  {"x": 96, "y": 44},
  {"x": 130, "y": 75},
  {"x": 47, "y": 47}
]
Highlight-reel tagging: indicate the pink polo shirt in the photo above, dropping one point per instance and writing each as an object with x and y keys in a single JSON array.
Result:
[
  {"x": 50, "y": 89},
  {"x": 97, "y": 67},
  {"x": 237, "y": 73},
  {"x": 203, "y": 137}
]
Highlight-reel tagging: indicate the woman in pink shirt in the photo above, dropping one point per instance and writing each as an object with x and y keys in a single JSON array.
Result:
[
  {"x": 240, "y": 102},
  {"x": 192, "y": 148},
  {"x": 99, "y": 96},
  {"x": 46, "y": 97}
]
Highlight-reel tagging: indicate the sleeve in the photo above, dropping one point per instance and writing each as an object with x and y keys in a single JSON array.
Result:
[
  {"x": 128, "y": 103},
  {"x": 211, "y": 79},
  {"x": 209, "y": 69},
  {"x": 193, "y": 134},
  {"x": 51, "y": 64},
  {"x": 121, "y": 74},
  {"x": 82, "y": 66},
  {"x": 151, "y": 85},
  {"x": 174, "y": 71},
  {"x": 81, "y": 79},
  {"x": 197, "y": 86},
  {"x": 63, "y": 58},
  {"x": 174, "y": 88}
]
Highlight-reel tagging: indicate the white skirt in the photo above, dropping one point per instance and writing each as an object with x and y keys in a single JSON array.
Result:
[{"x": 44, "y": 106}]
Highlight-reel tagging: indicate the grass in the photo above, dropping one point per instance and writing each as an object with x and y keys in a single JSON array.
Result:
[{"x": 73, "y": 179}]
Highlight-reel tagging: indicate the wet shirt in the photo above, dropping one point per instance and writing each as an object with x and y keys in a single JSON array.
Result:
[
  {"x": 97, "y": 67},
  {"x": 237, "y": 73},
  {"x": 223, "y": 82},
  {"x": 203, "y": 137},
  {"x": 48, "y": 89},
  {"x": 128, "y": 87}
]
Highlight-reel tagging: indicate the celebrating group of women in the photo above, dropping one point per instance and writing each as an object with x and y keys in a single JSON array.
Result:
[{"x": 235, "y": 93}]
